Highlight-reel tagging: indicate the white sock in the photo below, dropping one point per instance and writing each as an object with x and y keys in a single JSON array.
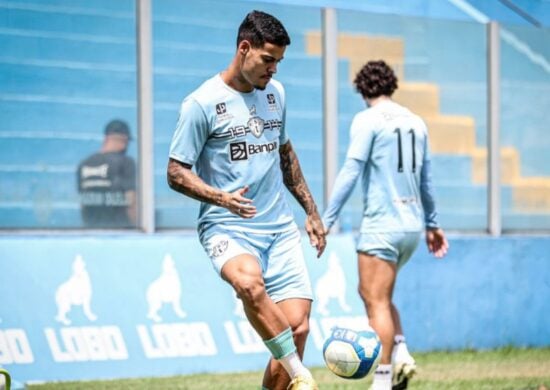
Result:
[
  {"x": 382, "y": 377},
  {"x": 294, "y": 366},
  {"x": 399, "y": 338}
]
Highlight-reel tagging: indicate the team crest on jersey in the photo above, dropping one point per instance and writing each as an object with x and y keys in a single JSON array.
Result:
[
  {"x": 219, "y": 249},
  {"x": 270, "y": 98},
  {"x": 256, "y": 126}
]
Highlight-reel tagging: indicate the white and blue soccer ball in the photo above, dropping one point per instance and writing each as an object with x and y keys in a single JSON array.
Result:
[{"x": 352, "y": 354}]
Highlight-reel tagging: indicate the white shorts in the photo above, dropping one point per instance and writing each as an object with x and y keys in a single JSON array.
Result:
[{"x": 280, "y": 256}]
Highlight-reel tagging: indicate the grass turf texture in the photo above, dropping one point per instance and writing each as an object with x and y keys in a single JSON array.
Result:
[{"x": 502, "y": 369}]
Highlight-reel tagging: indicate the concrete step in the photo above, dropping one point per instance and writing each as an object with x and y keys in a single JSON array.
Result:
[
  {"x": 420, "y": 98},
  {"x": 360, "y": 49},
  {"x": 510, "y": 165},
  {"x": 451, "y": 134}
]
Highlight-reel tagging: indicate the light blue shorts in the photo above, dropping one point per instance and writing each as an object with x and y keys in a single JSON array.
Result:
[
  {"x": 397, "y": 247},
  {"x": 280, "y": 256}
]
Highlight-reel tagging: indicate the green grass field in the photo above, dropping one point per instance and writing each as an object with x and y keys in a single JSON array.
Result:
[{"x": 503, "y": 369}]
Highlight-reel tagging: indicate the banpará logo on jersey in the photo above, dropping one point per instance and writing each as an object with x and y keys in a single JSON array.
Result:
[
  {"x": 219, "y": 249},
  {"x": 239, "y": 151}
]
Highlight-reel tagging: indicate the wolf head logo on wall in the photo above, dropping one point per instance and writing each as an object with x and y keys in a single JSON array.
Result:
[
  {"x": 165, "y": 289},
  {"x": 76, "y": 291}
]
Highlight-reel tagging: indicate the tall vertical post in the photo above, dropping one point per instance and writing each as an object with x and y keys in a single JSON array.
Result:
[
  {"x": 493, "y": 132},
  {"x": 330, "y": 100},
  {"x": 146, "y": 206}
]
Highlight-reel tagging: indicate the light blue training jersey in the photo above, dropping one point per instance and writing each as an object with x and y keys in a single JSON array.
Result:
[
  {"x": 389, "y": 148},
  {"x": 232, "y": 139}
]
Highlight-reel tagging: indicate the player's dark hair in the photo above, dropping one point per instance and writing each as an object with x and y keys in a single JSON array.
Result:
[
  {"x": 375, "y": 79},
  {"x": 259, "y": 28}
]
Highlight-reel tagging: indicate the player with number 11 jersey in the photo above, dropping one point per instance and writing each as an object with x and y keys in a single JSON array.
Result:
[{"x": 392, "y": 143}]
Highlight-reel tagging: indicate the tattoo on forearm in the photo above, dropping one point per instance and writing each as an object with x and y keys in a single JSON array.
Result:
[
  {"x": 183, "y": 180},
  {"x": 294, "y": 179}
]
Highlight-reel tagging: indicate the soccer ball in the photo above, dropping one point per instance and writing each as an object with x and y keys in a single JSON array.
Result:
[{"x": 352, "y": 354}]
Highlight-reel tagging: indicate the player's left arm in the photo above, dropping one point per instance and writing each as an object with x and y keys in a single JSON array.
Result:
[{"x": 296, "y": 184}]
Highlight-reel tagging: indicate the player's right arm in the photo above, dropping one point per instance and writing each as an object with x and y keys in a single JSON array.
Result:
[
  {"x": 183, "y": 180},
  {"x": 361, "y": 138},
  {"x": 190, "y": 136}
]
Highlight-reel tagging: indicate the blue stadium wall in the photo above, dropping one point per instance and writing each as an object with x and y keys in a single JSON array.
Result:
[{"x": 487, "y": 293}]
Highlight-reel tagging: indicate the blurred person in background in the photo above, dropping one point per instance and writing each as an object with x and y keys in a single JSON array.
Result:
[
  {"x": 389, "y": 151},
  {"x": 107, "y": 182},
  {"x": 232, "y": 130}
]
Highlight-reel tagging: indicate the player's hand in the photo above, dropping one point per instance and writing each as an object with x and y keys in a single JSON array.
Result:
[
  {"x": 437, "y": 243},
  {"x": 238, "y": 204},
  {"x": 316, "y": 232}
]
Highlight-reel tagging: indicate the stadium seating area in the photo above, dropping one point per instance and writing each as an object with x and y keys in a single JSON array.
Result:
[{"x": 68, "y": 67}]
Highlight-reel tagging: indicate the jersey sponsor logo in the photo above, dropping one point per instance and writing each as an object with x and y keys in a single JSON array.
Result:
[
  {"x": 221, "y": 108},
  {"x": 165, "y": 289},
  {"x": 239, "y": 151},
  {"x": 271, "y": 103},
  {"x": 221, "y": 112}
]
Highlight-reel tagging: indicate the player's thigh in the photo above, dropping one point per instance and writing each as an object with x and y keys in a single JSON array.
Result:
[
  {"x": 234, "y": 256},
  {"x": 286, "y": 275},
  {"x": 243, "y": 271},
  {"x": 376, "y": 277}
]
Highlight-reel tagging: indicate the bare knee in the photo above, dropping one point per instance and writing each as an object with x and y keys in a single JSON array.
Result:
[
  {"x": 374, "y": 300},
  {"x": 250, "y": 289}
]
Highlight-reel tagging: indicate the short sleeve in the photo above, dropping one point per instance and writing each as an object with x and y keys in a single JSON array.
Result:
[
  {"x": 283, "y": 136},
  {"x": 192, "y": 131},
  {"x": 129, "y": 175},
  {"x": 361, "y": 136}
]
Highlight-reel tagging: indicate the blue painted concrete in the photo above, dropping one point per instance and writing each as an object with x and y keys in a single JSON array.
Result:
[{"x": 487, "y": 293}]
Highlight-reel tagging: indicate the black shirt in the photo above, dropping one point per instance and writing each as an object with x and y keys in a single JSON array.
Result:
[{"x": 103, "y": 179}]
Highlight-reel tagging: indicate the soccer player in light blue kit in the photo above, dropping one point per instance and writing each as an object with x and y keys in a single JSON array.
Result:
[
  {"x": 389, "y": 151},
  {"x": 232, "y": 130}
]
